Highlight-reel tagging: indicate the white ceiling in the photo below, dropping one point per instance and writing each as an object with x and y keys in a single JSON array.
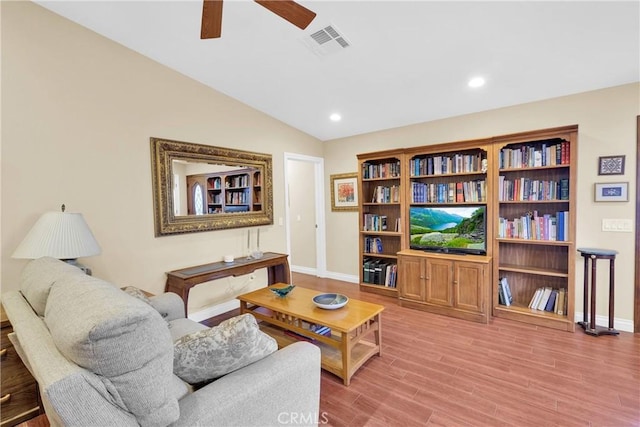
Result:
[{"x": 409, "y": 61}]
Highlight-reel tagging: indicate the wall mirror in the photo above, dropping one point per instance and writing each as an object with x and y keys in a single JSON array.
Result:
[{"x": 201, "y": 188}]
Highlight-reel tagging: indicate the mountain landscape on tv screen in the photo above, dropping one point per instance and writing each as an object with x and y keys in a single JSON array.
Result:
[{"x": 455, "y": 228}]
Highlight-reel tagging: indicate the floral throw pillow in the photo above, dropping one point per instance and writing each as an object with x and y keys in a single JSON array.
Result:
[{"x": 211, "y": 353}]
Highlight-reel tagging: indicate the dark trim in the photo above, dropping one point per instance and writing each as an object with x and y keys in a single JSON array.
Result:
[{"x": 636, "y": 317}]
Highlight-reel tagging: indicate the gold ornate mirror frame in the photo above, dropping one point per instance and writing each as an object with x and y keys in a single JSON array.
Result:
[{"x": 165, "y": 154}]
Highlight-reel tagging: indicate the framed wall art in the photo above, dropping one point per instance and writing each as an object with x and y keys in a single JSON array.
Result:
[
  {"x": 611, "y": 191},
  {"x": 611, "y": 165},
  {"x": 344, "y": 192}
]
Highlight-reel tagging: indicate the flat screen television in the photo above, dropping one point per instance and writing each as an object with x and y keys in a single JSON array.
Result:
[{"x": 450, "y": 229}]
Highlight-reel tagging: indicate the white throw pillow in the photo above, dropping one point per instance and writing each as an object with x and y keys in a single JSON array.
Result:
[{"x": 214, "y": 352}]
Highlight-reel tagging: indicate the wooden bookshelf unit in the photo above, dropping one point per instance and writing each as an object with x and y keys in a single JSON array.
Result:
[
  {"x": 381, "y": 220},
  {"x": 524, "y": 182}
]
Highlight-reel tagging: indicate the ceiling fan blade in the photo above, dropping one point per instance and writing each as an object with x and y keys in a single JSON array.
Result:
[
  {"x": 298, "y": 15},
  {"x": 211, "y": 19}
]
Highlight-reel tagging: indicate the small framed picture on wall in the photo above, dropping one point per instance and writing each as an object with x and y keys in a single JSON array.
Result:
[
  {"x": 611, "y": 191},
  {"x": 611, "y": 165},
  {"x": 344, "y": 192}
]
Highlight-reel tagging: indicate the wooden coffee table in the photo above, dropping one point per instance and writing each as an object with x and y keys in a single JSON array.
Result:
[{"x": 344, "y": 351}]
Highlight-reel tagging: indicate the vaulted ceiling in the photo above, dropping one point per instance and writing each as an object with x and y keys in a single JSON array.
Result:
[{"x": 407, "y": 61}]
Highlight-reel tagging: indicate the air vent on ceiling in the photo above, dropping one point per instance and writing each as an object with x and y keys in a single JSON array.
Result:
[{"x": 326, "y": 41}]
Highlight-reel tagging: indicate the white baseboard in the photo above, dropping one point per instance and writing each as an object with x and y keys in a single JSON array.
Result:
[
  {"x": 304, "y": 270},
  {"x": 343, "y": 277},
  {"x": 213, "y": 311},
  {"x": 330, "y": 275},
  {"x": 625, "y": 325}
]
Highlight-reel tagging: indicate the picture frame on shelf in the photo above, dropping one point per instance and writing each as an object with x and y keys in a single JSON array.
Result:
[
  {"x": 344, "y": 192},
  {"x": 611, "y": 165},
  {"x": 611, "y": 191}
]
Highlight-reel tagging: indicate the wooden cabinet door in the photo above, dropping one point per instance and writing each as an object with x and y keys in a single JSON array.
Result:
[
  {"x": 411, "y": 276},
  {"x": 468, "y": 286},
  {"x": 439, "y": 281}
]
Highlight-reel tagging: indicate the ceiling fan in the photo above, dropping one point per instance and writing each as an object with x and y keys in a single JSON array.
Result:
[{"x": 211, "y": 28}]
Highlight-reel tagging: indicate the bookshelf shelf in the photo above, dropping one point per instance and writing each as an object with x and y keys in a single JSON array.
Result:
[
  {"x": 376, "y": 255},
  {"x": 536, "y": 169},
  {"x": 525, "y": 310},
  {"x": 534, "y": 242},
  {"x": 381, "y": 233},
  {"x": 378, "y": 204},
  {"x": 533, "y": 270}
]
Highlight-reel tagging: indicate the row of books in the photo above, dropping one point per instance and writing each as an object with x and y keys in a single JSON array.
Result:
[
  {"x": 373, "y": 245},
  {"x": 237, "y": 198},
  {"x": 452, "y": 192},
  {"x": 448, "y": 164},
  {"x": 381, "y": 170},
  {"x": 373, "y": 222},
  {"x": 315, "y": 328},
  {"x": 382, "y": 194},
  {"x": 526, "y": 189},
  {"x": 550, "y": 153},
  {"x": 504, "y": 292},
  {"x": 533, "y": 226},
  {"x": 380, "y": 272},
  {"x": 236, "y": 181},
  {"x": 549, "y": 299}
]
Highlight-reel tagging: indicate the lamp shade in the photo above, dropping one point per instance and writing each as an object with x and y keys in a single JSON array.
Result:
[{"x": 59, "y": 235}]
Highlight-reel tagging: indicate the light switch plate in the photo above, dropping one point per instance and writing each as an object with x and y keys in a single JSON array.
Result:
[{"x": 617, "y": 225}]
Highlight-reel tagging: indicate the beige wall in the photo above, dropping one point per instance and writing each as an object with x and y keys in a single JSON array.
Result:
[
  {"x": 78, "y": 112},
  {"x": 607, "y": 126}
]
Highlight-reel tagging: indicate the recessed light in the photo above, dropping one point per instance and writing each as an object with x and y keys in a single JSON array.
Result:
[
  {"x": 476, "y": 82},
  {"x": 335, "y": 117}
]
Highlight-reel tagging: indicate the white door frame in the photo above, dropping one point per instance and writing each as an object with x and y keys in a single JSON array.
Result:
[{"x": 321, "y": 243}]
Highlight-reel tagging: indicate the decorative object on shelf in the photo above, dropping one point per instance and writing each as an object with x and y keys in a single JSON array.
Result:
[
  {"x": 611, "y": 165},
  {"x": 611, "y": 191},
  {"x": 282, "y": 292},
  {"x": 344, "y": 192},
  {"x": 228, "y": 259},
  {"x": 253, "y": 253},
  {"x": 60, "y": 235},
  {"x": 330, "y": 301}
]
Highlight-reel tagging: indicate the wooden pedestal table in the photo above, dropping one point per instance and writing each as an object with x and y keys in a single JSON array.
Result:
[
  {"x": 589, "y": 311},
  {"x": 181, "y": 281},
  {"x": 344, "y": 351}
]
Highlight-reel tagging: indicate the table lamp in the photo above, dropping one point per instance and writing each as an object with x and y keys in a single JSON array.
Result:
[{"x": 61, "y": 235}]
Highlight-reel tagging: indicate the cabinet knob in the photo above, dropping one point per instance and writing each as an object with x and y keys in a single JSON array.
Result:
[
  {"x": 4, "y": 399},
  {"x": 3, "y": 353},
  {"x": 455, "y": 282}
]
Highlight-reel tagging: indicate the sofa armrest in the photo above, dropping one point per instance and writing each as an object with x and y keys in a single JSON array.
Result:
[
  {"x": 281, "y": 389},
  {"x": 169, "y": 305}
]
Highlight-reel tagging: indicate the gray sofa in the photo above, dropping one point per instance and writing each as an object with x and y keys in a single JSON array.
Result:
[{"x": 104, "y": 357}]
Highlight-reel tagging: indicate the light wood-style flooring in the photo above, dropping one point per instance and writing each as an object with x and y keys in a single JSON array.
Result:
[{"x": 440, "y": 371}]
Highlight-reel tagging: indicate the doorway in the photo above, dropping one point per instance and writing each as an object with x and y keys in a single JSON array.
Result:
[{"x": 304, "y": 213}]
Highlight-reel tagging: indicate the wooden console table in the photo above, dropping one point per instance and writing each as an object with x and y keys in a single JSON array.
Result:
[{"x": 181, "y": 281}]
